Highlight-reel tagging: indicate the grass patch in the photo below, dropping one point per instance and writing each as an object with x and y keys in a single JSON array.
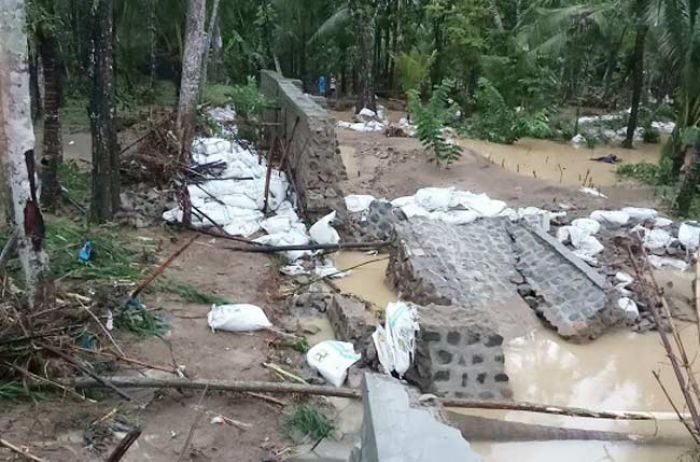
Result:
[
  {"x": 190, "y": 294},
  {"x": 309, "y": 421},
  {"x": 76, "y": 181},
  {"x": 217, "y": 94},
  {"x": 140, "y": 320},
  {"x": 15, "y": 391},
  {"x": 113, "y": 257},
  {"x": 643, "y": 171}
]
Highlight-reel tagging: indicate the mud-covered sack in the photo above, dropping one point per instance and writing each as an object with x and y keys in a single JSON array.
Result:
[
  {"x": 332, "y": 359},
  {"x": 237, "y": 318}
]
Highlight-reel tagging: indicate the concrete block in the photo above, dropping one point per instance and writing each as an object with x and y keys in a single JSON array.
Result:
[
  {"x": 458, "y": 356},
  {"x": 352, "y": 321},
  {"x": 396, "y": 428}
]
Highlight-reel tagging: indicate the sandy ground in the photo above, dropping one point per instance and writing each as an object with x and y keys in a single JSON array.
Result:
[{"x": 393, "y": 167}]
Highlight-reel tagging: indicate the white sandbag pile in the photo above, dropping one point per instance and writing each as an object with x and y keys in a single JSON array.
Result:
[
  {"x": 459, "y": 207},
  {"x": 235, "y": 198},
  {"x": 367, "y": 121}
]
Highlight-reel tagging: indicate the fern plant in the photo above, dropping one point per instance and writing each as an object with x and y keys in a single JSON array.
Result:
[{"x": 430, "y": 121}]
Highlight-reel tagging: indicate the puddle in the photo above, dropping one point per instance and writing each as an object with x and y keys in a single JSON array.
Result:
[
  {"x": 368, "y": 281},
  {"x": 561, "y": 162},
  {"x": 612, "y": 373},
  {"x": 579, "y": 451},
  {"x": 318, "y": 324}
]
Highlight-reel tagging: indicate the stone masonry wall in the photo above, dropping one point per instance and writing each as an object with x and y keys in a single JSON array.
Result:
[
  {"x": 316, "y": 166},
  {"x": 470, "y": 279},
  {"x": 457, "y": 357},
  {"x": 569, "y": 294}
]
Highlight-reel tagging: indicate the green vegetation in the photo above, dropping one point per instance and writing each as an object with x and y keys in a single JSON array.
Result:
[
  {"x": 76, "y": 181},
  {"x": 308, "y": 421},
  {"x": 431, "y": 120},
  {"x": 15, "y": 391},
  {"x": 189, "y": 293}
]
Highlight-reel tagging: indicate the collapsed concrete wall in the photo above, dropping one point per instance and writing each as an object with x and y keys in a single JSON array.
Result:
[
  {"x": 315, "y": 164},
  {"x": 471, "y": 280},
  {"x": 396, "y": 427}
]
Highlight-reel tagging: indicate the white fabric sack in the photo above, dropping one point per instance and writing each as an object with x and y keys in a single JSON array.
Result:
[
  {"x": 396, "y": 342},
  {"x": 237, "y": 318},
  {"x": 657, "y": 239},
  {"x": 432, "y": 199},
  {"x": 689, "y": 235},
  {"x": 587, "y": 224},
  {"x": 628, "y": 306},
  {"x": 640, "y": 214},
  {"x": 414, "y": 210},
  {"x": 455, "y": 217},
  {"x": 611, "y": 218},
  {"x": 661, "y": 262},
  {"x": 358, "y": 202},
  {"x": 403, "y": 201},
  {"x": 480, "y": 203},
  {"x": 293, "y": 237},
  {"x": 661, "y": 222},
  {"x": 322, "y": 232},
  {"x": 332, "y": 359}
]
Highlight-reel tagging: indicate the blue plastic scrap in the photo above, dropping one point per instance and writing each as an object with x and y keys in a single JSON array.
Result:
[{"x": 85, "y": 253}]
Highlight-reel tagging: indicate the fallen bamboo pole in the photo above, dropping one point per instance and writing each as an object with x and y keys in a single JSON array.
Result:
[
  {"x": 26, "y": 454},
  {"x": 285, "y": 248},
  {"x": 345, "y": 392}
]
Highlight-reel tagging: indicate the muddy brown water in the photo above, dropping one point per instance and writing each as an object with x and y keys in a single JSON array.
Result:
[
  {"x": 561, "y": 162},
  {"x": 612, "y": 373}
]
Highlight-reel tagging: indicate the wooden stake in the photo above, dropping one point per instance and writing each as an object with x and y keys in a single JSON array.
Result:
[{"x": 19, "y": 451}]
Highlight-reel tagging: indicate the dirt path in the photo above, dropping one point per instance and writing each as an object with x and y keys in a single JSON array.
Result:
[{"x": 58, "y": 430}]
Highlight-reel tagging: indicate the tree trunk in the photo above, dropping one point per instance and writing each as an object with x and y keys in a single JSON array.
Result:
[
  {"x": 691, "y": 179},
  {"x": 637, "y": 83},
  {"x": 105, "y": 151},
  {"x": 52, "y": 152},
  {"x": 191, "y": 75},
  {"x": 362, "y": 17},
  {"x": 17, "y": 151},
  {"x": 152, "y": 39},
  {"x": 34, "y": 92},
  {"x": 213, "y": 20}
]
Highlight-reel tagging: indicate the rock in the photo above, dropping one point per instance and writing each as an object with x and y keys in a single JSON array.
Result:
[{"x": 352, "y": 322}]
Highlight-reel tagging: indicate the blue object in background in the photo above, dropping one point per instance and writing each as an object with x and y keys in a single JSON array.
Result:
[
  {"x": 85, "y": 253},
  {"x": 322, "y": 85}
]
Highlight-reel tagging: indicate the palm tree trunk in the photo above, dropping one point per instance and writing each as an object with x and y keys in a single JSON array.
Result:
[
  {"x": 637, "y": 83},
  {"x": 34, "y": 92},
  {"x": 362, "y": 17},
  {"x": 52, "y": 152},
  {"x": 691, "y": 179},
  {"x": 103, "y": 124},
  {"x": 17, "y": 152},
  {"x": 191, "y": 75},
  {"x": 213, "y": 21}
]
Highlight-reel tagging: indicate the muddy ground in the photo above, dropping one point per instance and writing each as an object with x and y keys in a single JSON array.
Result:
[{"x": 384, "y": 167}]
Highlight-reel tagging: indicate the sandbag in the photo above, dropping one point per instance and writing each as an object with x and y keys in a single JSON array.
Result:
[
  {"x": 332, "y": 359},
  {"x": 237, "y": 318},
  {"x": 322, "y": 232}
]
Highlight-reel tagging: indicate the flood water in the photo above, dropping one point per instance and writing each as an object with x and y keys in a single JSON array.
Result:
[
  {"x": 561, "y": 162},
  {"x": 612, "y": 373}
]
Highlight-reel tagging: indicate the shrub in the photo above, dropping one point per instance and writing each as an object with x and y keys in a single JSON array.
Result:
[{"x": 430, "y": 122}]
